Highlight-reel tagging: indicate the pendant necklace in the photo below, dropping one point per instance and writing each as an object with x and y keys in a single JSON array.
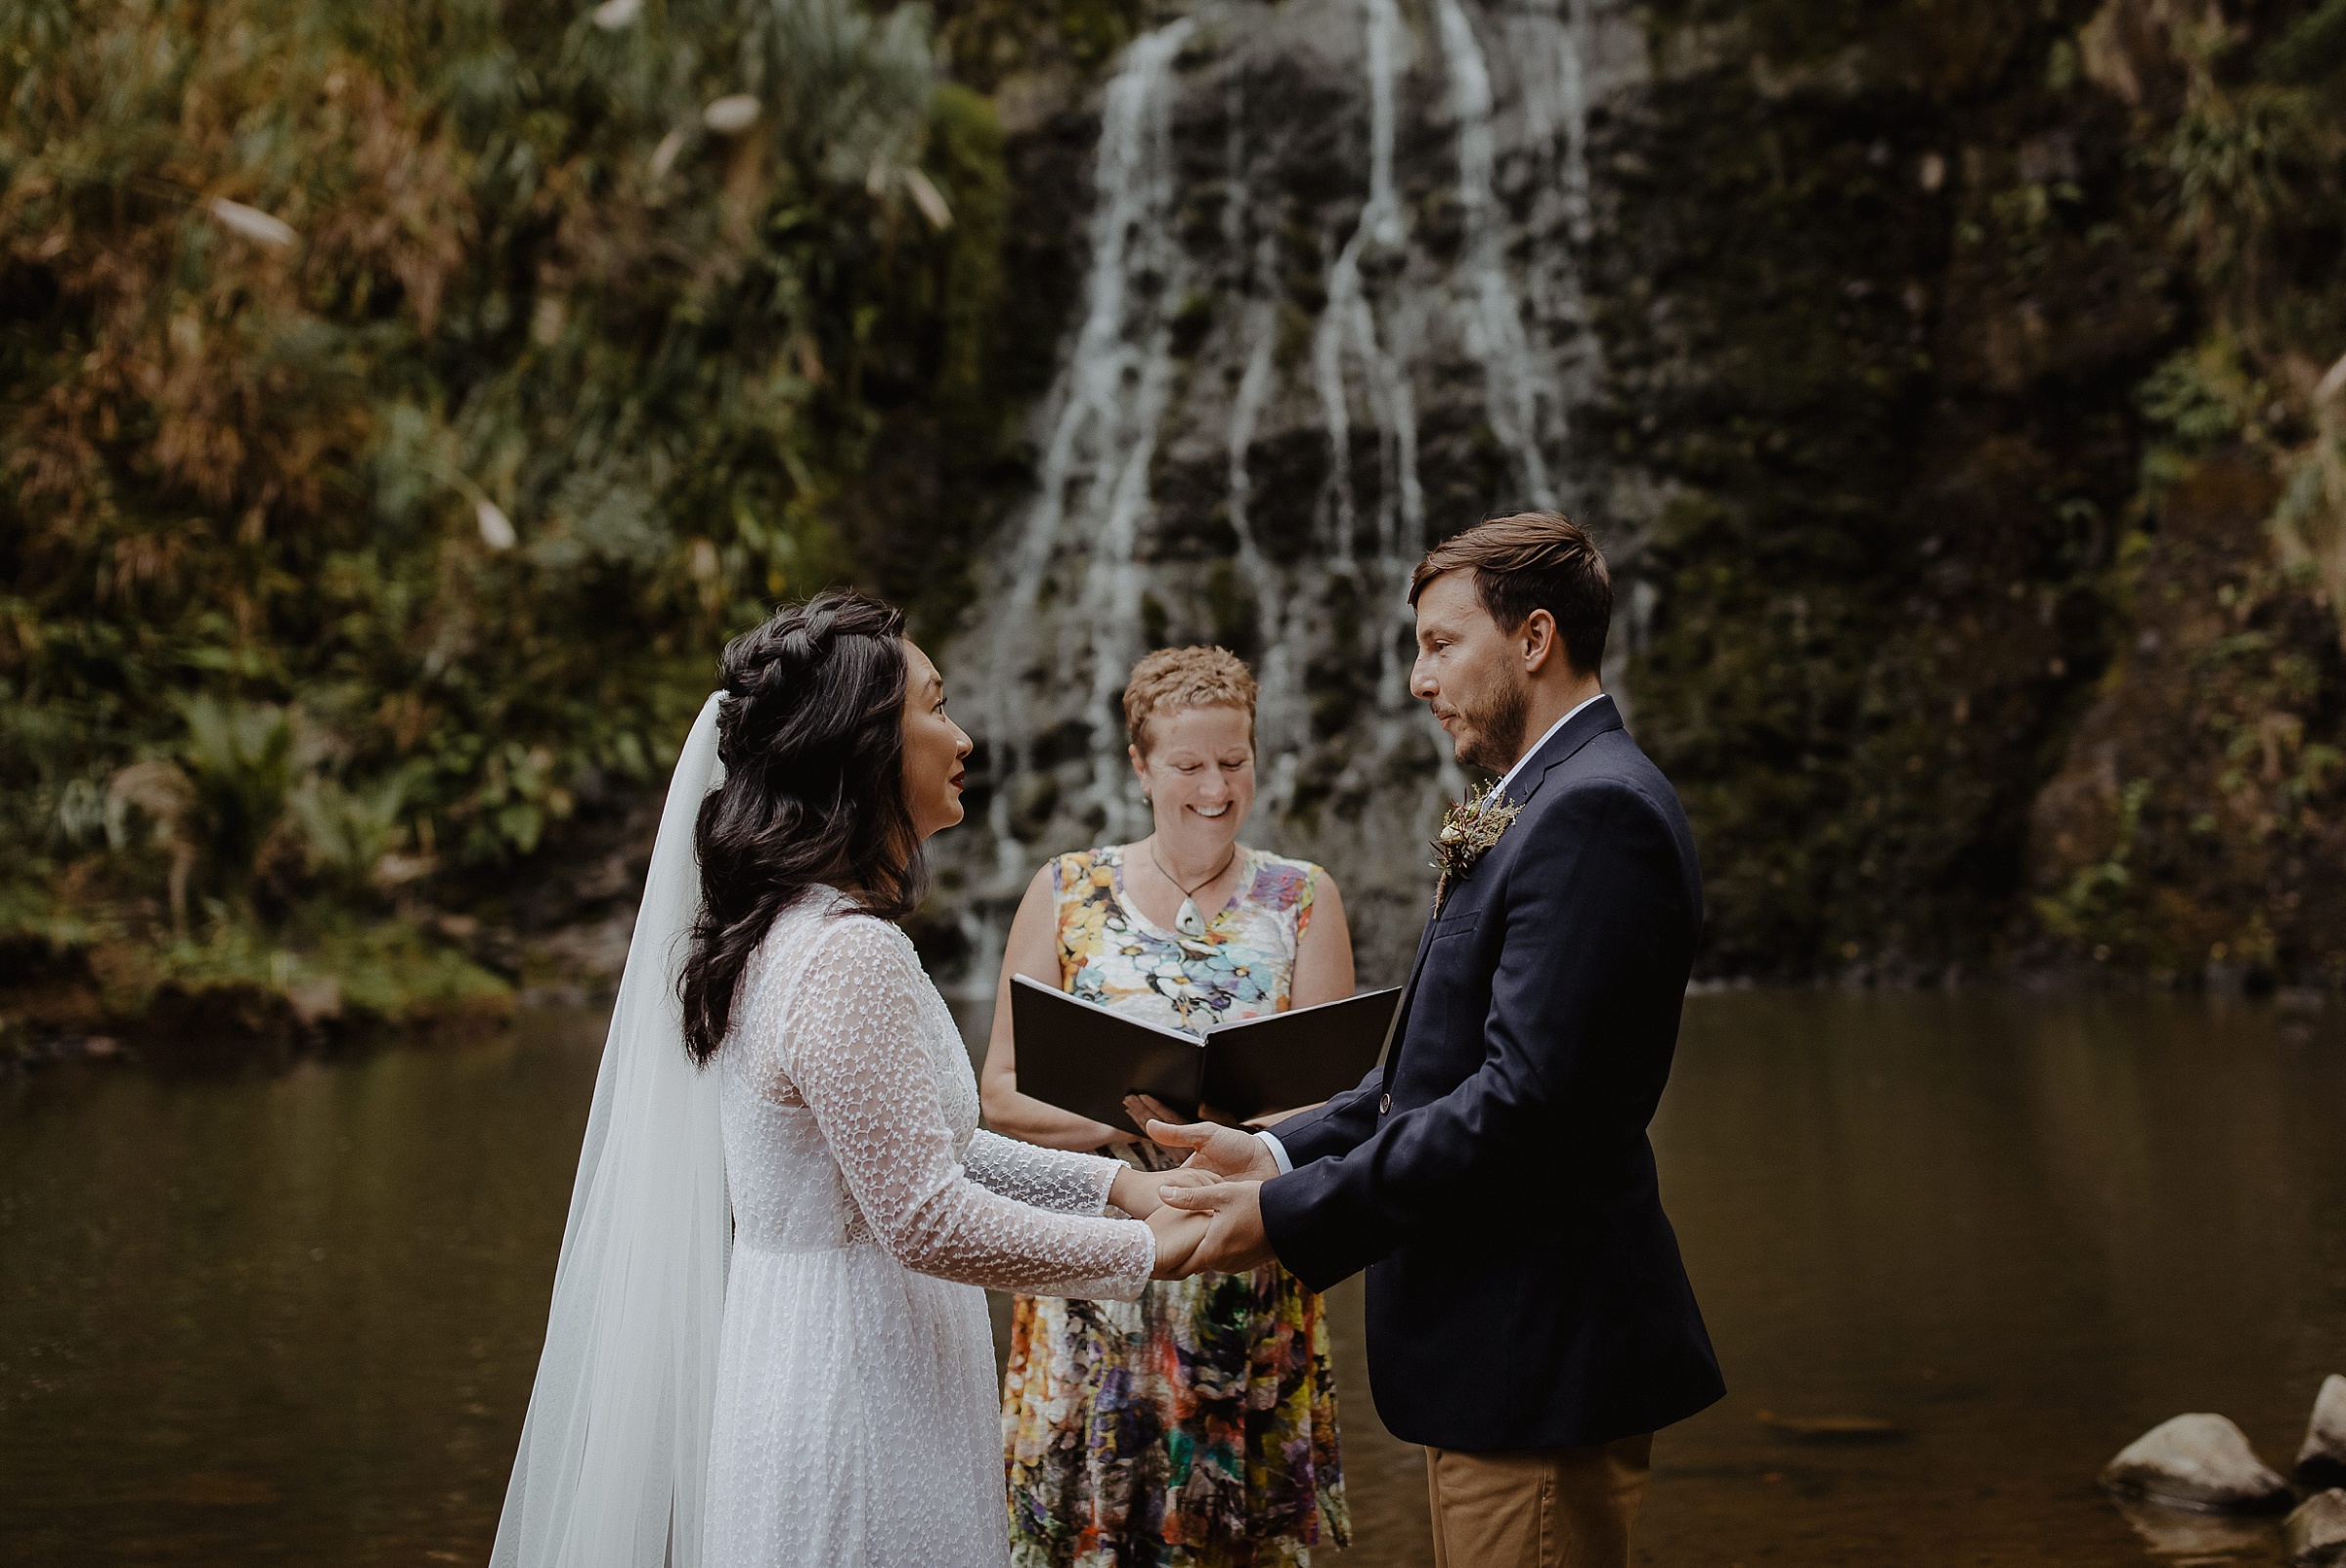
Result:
[{"x": 1189, "y": 923}]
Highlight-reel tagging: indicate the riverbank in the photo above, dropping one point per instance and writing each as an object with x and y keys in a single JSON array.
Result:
[
  {"x": 237, "y": 1000},
  {"x": 242, "y": 1004},
  {"x": 277, "y": 980}
]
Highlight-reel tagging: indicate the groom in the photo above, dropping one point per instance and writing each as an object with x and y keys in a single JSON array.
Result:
[{"x": 1529, "y": 1320}]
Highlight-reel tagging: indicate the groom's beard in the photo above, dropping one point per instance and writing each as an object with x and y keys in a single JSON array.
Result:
[{"x": 1494, "y": 736}]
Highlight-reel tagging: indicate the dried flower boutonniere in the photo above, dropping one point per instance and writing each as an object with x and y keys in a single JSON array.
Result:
[{"x": 1469, "y": 831}]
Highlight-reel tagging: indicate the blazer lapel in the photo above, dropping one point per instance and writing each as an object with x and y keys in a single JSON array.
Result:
[
  {"x": 1409, "y": 993},
  {"x": 1589, "y": 722}
]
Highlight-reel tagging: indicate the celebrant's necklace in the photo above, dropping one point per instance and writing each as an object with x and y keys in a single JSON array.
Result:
[{"x": 1191, "y": 923}]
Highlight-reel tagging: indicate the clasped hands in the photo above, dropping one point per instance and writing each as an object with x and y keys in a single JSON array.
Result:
[{"x": 1207, "y": 1214}]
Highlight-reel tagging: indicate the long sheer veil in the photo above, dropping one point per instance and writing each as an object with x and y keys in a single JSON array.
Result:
[{"x": 615, "y": 1451}]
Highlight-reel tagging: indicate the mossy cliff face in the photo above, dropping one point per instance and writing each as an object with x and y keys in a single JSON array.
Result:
[
  {"x": 1995, "y": 614},
  {"x": 1993, "y": 611},
  {"x": 2198, "y": 822},
  {"x": 1878, "y": 292}
]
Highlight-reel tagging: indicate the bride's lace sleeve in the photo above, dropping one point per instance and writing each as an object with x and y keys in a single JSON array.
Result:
[
  {"x": 1048, "y": 1178},
  {"x": 858, "y": 1056}
]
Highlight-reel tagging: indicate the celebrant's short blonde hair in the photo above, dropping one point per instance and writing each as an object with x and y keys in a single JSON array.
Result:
[{"x": 1173, "y": 679}]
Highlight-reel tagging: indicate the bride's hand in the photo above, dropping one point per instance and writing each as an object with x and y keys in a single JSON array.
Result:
[
  {"x": 1179, "y": 1235},
  {"x": 1138, "y": 1193}
]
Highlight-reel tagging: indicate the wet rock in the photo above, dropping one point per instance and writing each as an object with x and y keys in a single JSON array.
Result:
[
  {"x": 2315, "y": 1536},
  {"x": 2198, "y": 1461},
  {"x": 2322, "y": 1458}
]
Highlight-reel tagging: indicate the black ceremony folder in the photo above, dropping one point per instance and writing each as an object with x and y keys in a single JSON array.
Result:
[{"x": 1085, "y": 1057}]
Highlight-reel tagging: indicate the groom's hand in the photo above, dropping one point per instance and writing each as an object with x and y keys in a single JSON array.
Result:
[
  {"x": 1234, "y": 1241},
  {"x": 1226, "y": 1152}
]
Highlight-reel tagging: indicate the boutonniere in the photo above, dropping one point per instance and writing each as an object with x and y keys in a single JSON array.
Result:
[{"x": 1469, "y": 830}]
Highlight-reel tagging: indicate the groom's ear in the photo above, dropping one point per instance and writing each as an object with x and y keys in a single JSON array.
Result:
[{"x": 1539, "y": 642}]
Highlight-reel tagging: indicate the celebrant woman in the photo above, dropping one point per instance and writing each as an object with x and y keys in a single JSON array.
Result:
[
  {"x": 768, "y": 1348},
  {"x": 1195, "y": 1427}
]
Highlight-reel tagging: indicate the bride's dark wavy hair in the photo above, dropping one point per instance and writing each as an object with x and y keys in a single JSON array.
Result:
[{"x": 811, "y": 733}]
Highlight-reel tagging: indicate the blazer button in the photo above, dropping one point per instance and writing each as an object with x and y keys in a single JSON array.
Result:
[{"x": 1384, "y": 1104}]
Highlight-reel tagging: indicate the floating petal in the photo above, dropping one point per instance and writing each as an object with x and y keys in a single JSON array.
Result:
[
  {"x": 929, "y": 199},
  {"x": 2335, "y": 382},
  {"x": 663, "y": 156},
  {"x": 731, "y": 115},
  {"x": 496, "y": 529},
  {"x": 613, "y": 15},
  {"x": 252, "y": 222}
]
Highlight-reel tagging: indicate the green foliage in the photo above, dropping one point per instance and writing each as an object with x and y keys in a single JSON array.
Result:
[
  {"x": 2311, "y": 49},
  {"x": 2090, "y": 910},
  {"x": 989, "y": 40},
  {"x": 405, "y": 402},
  {"x": 2201, "y": 396},
  {"x": 240, "y": 760},
  {"x": 354, "y": 834}
]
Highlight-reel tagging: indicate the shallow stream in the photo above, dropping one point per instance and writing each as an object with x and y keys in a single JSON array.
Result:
[{"x": 293, "y": 1317}]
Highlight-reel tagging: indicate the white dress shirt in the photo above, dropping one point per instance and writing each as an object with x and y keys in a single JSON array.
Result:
[{"x": 1279, "y": 1150}]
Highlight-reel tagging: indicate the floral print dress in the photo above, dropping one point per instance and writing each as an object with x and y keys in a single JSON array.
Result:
[{"x": 1197, "y": 1426}]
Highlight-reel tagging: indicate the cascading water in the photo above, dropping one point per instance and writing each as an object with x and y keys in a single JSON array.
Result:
[
  {"x": 1101, "y": 421},
  {"x": 1331, "y": 312}
]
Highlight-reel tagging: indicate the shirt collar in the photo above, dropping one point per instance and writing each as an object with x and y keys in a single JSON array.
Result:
[{"x": 1533, "y": 750}]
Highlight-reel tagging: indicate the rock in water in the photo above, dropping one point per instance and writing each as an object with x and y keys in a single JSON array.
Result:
[
  {"x": 2321, "y": 1460},
  {"x": 2315, "y": 1536},
  {"x": 2198, "y": 1461}
]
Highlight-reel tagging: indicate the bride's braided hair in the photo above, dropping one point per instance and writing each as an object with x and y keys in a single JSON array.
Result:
[{"x": 811, "y": 734}]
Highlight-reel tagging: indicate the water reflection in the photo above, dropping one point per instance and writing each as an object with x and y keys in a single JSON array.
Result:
[
  {"x": 295, "y": 1317},
  {"x": 282, "y": 1319},
  {"x": 2199, "y": 1536},
  {"x": 2024, "y": 1230}
]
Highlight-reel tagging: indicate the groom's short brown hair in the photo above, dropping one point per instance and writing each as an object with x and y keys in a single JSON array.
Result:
[{"x": 1533, "y": 561}]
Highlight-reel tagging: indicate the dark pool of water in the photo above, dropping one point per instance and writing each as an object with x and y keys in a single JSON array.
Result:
[{"x": 293, "y": 1318}]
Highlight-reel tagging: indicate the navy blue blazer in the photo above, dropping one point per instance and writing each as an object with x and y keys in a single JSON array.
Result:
[{"x": 1524, "y": 1286}]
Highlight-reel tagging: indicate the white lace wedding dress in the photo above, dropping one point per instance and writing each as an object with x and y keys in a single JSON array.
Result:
[{"x": 858, "y": 1410}]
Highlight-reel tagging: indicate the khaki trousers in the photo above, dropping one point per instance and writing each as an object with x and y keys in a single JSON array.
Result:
[{"x": 1546, "y": 1508}]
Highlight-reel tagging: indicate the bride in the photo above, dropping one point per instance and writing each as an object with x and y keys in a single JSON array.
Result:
[{"x": 767, "y": 1345}]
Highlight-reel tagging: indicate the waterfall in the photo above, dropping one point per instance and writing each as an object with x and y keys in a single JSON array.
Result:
[
  {"x": 1350, "y": 322},
  {"x": 1330, "y": 310},
  {"x": 1103, "y": 418},
  {"x": 1492, "y": 315}
]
